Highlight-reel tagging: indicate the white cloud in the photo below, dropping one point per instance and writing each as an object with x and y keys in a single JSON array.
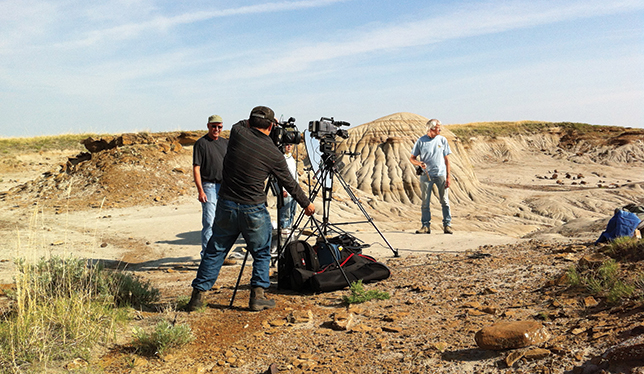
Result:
[
  {"x": 475, "y": 21},
  {"x": 163, "y": 22}
]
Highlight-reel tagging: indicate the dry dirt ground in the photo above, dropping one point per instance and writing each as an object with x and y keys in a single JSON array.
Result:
[{"x": 136, "y": 206}]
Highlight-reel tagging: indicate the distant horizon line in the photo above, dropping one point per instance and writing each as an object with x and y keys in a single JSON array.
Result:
[{"x": 3, "y": 137}]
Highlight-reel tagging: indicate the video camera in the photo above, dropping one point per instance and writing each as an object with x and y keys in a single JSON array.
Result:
[
  {"x": 328, "y": 129},
  {"x": 285, "y": 132}
]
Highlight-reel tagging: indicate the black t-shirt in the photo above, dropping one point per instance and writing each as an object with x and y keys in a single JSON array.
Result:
[
  {"x": 209, "y": 154},
  {"x": 251, "y": 157}
]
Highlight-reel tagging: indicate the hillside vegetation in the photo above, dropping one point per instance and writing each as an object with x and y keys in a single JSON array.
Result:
[{"x": 506, "y": 129}]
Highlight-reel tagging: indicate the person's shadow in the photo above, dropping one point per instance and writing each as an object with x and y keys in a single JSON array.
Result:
[
  {"x": 184, "y": 238},
  {"x": 185, "y": 262},
  {"x": 194, "y": 238}
]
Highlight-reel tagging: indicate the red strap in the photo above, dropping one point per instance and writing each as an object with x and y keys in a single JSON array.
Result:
[
  {"x": 341, "y": 265},
  {"x": 347, "y": 259},
  {"x": 367, "y": 257}
]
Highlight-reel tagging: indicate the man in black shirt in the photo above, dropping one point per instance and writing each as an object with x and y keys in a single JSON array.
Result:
[
  {"x": 241, "y": 209},
  {"x": 207, "y": 169}
]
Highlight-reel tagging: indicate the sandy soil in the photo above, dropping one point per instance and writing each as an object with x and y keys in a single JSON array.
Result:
[{"x": 149, "y": 237}]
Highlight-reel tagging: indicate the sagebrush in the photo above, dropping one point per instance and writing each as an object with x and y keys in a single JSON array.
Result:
[{"x": 62, "y": 308}]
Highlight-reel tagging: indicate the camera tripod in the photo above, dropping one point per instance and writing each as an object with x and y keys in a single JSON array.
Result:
[{"x": 325, "y": 177}]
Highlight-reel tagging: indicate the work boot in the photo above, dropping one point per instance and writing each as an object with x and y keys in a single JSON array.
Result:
[
  {"x": 424, "y": 230},
  {"x": 196, "y": 300},
  {"x": 448, "y": 230},
  {"x": 258, "y": 300}
]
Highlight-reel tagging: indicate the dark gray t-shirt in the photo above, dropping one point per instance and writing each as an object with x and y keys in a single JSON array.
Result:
[
  {"x": 209, "y": 154},
  {"x": 251, "y": 158}
]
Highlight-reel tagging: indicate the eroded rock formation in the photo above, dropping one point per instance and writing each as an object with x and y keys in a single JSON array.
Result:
[{"x": 383, "y": 168}]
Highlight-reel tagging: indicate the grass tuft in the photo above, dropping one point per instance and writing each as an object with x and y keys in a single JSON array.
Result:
[
  {"x": 165, "y": 336},
  {"x": 360, "y": 295},
  {"x": 606, "y": 281},
  {"x": 625, "y": 249},
  {"x": 62, "y": 308}
]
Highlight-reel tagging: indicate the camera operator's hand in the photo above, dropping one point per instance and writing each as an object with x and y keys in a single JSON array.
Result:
[{"x": 309, "y": 210}]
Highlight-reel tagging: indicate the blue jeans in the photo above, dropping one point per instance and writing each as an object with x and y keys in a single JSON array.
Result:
[
  {"x": 287, "y": 212},
  {"x": 426, "y": 187},
  {"x": 208, "y": 212},
  {"x": 232, "y": 219}
]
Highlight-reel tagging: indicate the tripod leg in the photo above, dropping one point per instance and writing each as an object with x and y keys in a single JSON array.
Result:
[
  {"x": 241, "y": 271},
  {"x": 354, "y": 198}
]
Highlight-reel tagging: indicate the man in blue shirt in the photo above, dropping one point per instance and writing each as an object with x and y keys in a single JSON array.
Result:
[{"x": 431, "y": 153}]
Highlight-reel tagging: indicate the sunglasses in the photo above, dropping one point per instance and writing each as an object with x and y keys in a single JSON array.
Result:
[{"x": 217, "y": 127}]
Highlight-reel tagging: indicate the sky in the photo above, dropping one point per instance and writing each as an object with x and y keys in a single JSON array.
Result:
[{"x": 72, "y": 66}]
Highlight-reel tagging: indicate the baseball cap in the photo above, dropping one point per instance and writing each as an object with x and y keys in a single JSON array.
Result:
[
  {"x": 263, "y": 112},
  {"x": 215, "y": 119}
]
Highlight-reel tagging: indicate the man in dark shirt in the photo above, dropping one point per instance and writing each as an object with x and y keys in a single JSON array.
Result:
[
  {"x": 207, "y": 168},
  {"x": 241, "y": 209}
]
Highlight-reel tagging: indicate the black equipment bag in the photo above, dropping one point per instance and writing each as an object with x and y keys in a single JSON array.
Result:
[
  {"x": 342, "y": 246},
  {"x": 349, "y": 243},
  {"x": 325, "y": 255},
  {"x": 297, "y": 263},
  {"x": 355, "y": 266}
]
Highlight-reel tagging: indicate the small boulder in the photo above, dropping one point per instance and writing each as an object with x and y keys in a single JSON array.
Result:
[
  {"x": 300, "y": 316},
  {"x": 342, "y": 321},
  {"x": 98, "y": 145},
  {"x": 511, "y": 335}
]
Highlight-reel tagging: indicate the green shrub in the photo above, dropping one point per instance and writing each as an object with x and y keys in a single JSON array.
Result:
[
  {"x": 62, "y": 308},
  {"x": 360, "y": 295},
  {"x": 605, "y": 281},
  {"x": 64, "y": 277},
  {"x": 133, "y": 291},
  {"x": 573, "y": 276},
  {"x": 181, "y": 302},
  {"x": 625, "y": 248},
  {"x": 618, "y": 291},
  {"x": 165, "y": 336}
]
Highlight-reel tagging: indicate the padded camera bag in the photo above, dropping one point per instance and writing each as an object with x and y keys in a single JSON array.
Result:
[
  {"x": 355, "y": 266},
  {"x": 296, "y": 264}
]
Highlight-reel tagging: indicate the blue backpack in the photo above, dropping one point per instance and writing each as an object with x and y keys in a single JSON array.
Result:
[{"x": 623, "y": 223}]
